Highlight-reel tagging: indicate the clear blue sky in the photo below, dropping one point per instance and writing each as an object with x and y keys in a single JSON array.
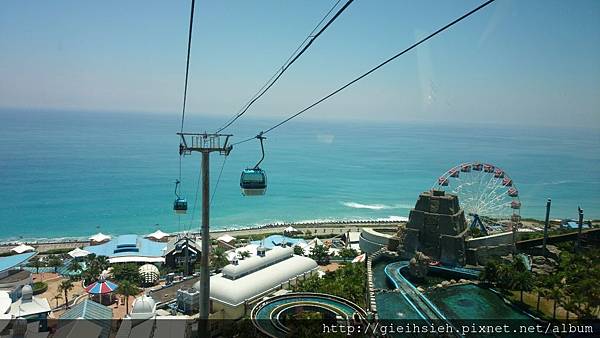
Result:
[{"x": 524, "y": 61}]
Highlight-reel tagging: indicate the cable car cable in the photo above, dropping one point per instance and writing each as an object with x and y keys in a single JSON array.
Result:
[
  {"x": 187, "y": 63},
  {"x": 180, "y": 204},
  {"x": 288, "y": 63},
  {"x": 212, "y": 198},
  {"x": 464, "y": 16}
]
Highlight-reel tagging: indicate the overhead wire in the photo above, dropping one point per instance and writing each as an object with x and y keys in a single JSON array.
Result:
[
  {"x": 212, "y": 198},
  {"x": 187, "y": 63},
  {"x": 185, "y": 87},
  {"x": 295, "y": 55},
  {"x": 452, "y": 23}
]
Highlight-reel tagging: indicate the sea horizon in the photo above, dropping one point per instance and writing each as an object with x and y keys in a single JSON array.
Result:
[{"x": 69, "y": 175}]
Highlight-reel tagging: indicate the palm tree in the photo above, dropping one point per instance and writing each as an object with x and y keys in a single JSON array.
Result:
[
  {"x": 245, "y": 254},
  {"x": 555, "y": 293},
  {"x": 218, "y": 259},
  {"x": 540, "y": 288},
  {"x": 523, "y": 281},
  {"x": 126, "y": 288},
  {"x": 58, "y": 296},
  {"x": 504, "y": 276},
  {"x": 489, "y": 275},
  {"x": 66, "y": 286},
  {"x": 103, "y": 263},
  {"x": 75, "y": 267}
]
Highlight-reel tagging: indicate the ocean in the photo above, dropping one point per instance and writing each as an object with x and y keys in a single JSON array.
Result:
[{"x": 69, "y": 174}]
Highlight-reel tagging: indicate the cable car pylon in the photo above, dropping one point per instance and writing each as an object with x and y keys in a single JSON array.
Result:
[{"x": 204, "y": 144}]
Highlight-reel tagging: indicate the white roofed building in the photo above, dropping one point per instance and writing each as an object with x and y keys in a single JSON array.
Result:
[
  {"x": 78, "y": 253},
  {"x": 239, "y": 286},
  {"x": 30, "y": 307}
]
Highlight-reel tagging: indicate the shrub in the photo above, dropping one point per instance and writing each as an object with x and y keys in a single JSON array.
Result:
[{"x": 39, "y": 287}]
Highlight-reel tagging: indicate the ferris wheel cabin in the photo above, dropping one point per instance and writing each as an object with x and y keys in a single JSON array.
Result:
[{"x": 253, "y": 182}]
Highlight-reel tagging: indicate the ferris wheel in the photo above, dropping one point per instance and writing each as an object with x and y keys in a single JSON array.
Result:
[{"x": 486, "y": 193}]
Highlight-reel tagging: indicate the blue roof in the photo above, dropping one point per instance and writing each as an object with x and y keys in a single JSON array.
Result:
[
  {"x": 126, "y": 240},
  {"x": 574, "y": 225},
  {"x": 128, "y": 245},
  {"x": 9, "y": 262},
  {"x": 96, "y": 313},
  {"x": 277, "y": 240}
]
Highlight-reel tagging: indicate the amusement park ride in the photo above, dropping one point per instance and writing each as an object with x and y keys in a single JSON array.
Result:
[{"x": 487, "y": 194}]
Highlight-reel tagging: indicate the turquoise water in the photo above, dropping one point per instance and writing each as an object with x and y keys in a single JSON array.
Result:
[
  {"x": 74, "y": 174},
  {"x": 470, "y": 301}
]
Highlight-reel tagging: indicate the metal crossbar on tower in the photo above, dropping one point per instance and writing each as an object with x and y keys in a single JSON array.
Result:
[{"x": 204, "y": 144}]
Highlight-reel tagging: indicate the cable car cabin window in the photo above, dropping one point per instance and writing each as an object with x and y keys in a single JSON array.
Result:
[
  {"x": 180, "y": 206},
  {"x": 253, "y": 177},
  {"x": 253, "y": 182}
]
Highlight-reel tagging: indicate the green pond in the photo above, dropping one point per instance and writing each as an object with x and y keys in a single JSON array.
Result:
[{"x": 472, "y": 302}]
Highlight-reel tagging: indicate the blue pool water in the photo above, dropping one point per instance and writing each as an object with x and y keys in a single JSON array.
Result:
[{"x": 74, "y": 174}]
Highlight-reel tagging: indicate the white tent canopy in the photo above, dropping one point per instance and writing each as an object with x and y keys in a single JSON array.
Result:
[
  {"x": 226, "y": 238},
  {"x": 158, "y": 234},
  {"x": 291, "y": 230},
  {"x": 315, "y": 241},
  {"x": 76, "y": 253},
  {"x": 23, "y": 248},
  {"x": 99, "y": 237}
]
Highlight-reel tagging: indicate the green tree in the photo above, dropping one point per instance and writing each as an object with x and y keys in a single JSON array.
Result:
[
  {"x": 348, "y": 253},
  {"x": 57, "y": 297},
  {"x": 218, "y": 259},
  {"x": 66, "y": 286},
  {"x": 75, "y": 268},
  {"x": 298, "y": 250},
  {"x": 490, "y": 274},
  {"x": 319, "y": 253},
  {"x": 126, "y": 289},
  {"x": 348, "y": 281},
  {"x": 103, "y": 263},
  {"x": 36, "y": 263},
  {"x": 245, "y": 254},
  {"x": 554, "y": 291},
  {"x": 505, "y": 275},
  {"x": 126, "y": 272},
  {"x": 522, "y": 281},
  {"x": 55, "y": 262}
]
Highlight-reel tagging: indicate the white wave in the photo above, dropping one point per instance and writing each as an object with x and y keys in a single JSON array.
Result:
[
  {"x": 393, "y": 219},
  {"x": 356, "y": 205}
]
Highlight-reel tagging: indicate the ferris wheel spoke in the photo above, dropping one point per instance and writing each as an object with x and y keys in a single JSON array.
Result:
[{"x": 481, "y": 193}]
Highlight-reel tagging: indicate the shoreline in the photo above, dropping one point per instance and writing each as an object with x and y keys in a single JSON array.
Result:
[{"x": 72, "y": 242}]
